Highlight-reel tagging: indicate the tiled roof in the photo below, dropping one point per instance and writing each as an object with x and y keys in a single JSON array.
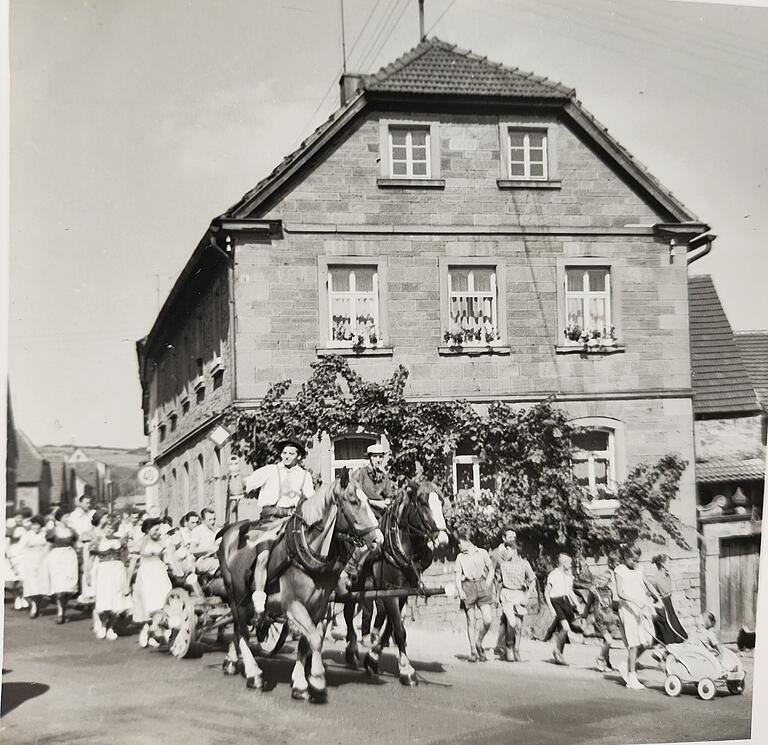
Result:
[
  {"x": 753, "y": 346},
  {"x": 730, "y": 469},
  {"x": 30, "y": 466},
  {"x": 435, "y": 67},
  {"x": 720, "y": 381}
]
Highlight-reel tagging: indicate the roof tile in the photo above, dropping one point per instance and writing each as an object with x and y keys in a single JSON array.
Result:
[
  {"x": 753, "y": 346},
  {"x": 719, "y": 377},
  {"x": 730, "y": 469}
]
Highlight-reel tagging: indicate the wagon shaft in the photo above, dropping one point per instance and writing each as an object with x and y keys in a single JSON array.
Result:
[{"x": 402, "y": 592}]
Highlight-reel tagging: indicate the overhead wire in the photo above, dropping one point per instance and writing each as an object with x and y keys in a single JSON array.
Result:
[
  {"x": 371, "y": 55},
  {"x": 439, "y": 18}
]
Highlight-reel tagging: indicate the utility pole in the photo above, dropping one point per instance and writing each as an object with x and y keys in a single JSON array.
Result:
[
  {"x": 422, "y": 35},
  {"x": 343, "y": 40}
]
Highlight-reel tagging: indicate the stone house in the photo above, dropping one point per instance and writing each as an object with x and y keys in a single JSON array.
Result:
[
  {"x": 729, "y": 427},
  {"x": 33, "y": 476},
  {"x": 468, "y": 220}
]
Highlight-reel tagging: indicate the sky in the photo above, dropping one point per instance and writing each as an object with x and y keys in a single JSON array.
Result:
[{"x": 135, "y": 122}]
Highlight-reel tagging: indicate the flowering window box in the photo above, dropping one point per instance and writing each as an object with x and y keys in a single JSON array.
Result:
[{"x": 589, "y": 341}]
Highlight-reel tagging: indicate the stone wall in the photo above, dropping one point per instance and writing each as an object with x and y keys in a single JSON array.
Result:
[{"x": 729, "y": 437}]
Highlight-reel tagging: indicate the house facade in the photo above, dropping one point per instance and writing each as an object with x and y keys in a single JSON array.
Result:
[
  {"x": 730, "y": 426},
  {"x": 469, "y": 221}
]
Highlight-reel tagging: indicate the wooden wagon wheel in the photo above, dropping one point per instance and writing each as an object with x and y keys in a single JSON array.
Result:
[
  {"x": 181, "y": 622},
  {"x": 274, "y": 638}
]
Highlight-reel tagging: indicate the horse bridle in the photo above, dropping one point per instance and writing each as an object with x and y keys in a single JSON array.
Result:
[{"x": 341, "y": 503}]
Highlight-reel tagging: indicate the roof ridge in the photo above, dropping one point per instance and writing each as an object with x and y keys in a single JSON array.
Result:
[
  {"x": 435, "y": 43},
  {"x": 744, "y": 332}
]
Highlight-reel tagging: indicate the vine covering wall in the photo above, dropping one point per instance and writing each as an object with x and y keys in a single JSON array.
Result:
[{"x": 528, "y": 449}]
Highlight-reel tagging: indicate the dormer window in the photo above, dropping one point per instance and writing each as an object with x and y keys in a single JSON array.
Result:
[{"x": 409, "y": 152}]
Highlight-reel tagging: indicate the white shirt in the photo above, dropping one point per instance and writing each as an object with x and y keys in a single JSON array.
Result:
[
  {"x": 630, "y": 585},
  {"x": 280, "y": 486},
  {"x": 80, "y": 521},
  {"x": 202, "y": 539},
  {"x": 560, "y": 583}
]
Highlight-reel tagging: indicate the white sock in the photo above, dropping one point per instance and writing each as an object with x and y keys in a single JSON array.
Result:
[{"x": 259, "y": 601}]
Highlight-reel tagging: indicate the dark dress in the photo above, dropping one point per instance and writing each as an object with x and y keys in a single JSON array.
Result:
[{"x": 666, "y": 625}]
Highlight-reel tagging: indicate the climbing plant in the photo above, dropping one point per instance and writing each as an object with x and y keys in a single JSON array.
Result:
[{"x": 529, "y": 450}]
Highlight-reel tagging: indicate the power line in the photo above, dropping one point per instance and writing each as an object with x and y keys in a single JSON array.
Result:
[
  {"x": 440, "y": 17},
  {"x": 371, "y": 56}
]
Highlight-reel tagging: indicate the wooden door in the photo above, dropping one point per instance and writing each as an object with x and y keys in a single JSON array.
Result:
[{"x": 739, "y": 562}]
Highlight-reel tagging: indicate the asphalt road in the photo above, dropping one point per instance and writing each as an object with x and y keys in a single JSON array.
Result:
[{"x": 62, "y": 686}]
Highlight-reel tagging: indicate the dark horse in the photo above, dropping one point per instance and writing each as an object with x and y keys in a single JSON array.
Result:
[
  {"x": 411, "y": 525},
  {"x": 303, "y": 571}
]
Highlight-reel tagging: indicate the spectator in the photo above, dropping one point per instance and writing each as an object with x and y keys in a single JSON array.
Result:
[
  {"x": 32, "y": 549},
  {"x": 61, "y": 562},
  {"x": 635, "y": 612},
  {"x": 474, "y": 581},
  {"x": 80, "y": 518},
  {"x": 515, "y": 578},
  {"x": 561, "y": 601},
  {"x": 186, "y": 525}
]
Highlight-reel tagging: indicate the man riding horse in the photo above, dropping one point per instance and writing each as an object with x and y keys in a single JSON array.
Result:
[
  {"x": 282, "y": 486},
  {"x": 374, "y": 480}
]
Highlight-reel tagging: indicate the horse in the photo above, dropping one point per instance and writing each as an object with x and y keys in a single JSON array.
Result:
[
  {"x": 303, "y": 571},
  {"x": 410, "y": 524}
]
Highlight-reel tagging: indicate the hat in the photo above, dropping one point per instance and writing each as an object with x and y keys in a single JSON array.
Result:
[
  {"x": 376, "y": 449},
  {"x": 293, "y": 443}
]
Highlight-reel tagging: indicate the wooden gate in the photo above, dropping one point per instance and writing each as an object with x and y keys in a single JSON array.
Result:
[{"x": 739, "y": 562}]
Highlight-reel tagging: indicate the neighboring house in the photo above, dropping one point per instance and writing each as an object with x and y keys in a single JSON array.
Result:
[
  {"x": 11, "y": 459},
  {"x": 33, "y": 477},
  {"x": 102, "y": 473},
  {"x": 753, "y": 346},
  {"x": 730, "y": 457},
  {"x": 469, "y": 221}
]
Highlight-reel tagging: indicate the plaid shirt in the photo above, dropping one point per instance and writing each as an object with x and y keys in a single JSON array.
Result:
[{"x": 514, "y": 572}]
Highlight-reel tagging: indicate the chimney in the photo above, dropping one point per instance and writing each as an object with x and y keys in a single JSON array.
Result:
[{"x": 350, "y": 83}]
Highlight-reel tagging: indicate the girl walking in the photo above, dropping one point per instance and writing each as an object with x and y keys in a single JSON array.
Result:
[
  {"x": 61, "y": 564},
  {"x": 32, "y": 551},
  {"x": 111, "y": 580}
]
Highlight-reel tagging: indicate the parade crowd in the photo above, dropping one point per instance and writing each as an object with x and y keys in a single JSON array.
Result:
[{"x": 120, "y": 564}]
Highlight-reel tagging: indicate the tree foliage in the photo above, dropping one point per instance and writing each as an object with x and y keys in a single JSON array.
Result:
[{"x": 528, "y": 449}]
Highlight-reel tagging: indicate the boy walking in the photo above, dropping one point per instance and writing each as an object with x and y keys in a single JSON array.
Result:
[{"x": 474, "y": 580}]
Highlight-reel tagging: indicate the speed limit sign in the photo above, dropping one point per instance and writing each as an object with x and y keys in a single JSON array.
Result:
[{"x": 148, "y": 475}]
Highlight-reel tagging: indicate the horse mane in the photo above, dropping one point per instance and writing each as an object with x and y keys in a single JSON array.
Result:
[{"x": 313, "y": 508}]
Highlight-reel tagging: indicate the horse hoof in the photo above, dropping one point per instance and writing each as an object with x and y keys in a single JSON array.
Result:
[
  {"x": 255, "y": 684},
  {"x": 317, "y": 695},
  {"x": 229, "y": 667},
  {"x": 371, "y": 665},
  {"x": 352, "y": 659},
  {"x": 409, "y": 680},
  {"x": 299, "y": 694}
]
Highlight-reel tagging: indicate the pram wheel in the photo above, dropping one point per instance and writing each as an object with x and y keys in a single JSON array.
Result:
[
  {"x": 706, "y": 689},
  {"x": 673, "y": 685},
  {"x": 736, "y": 687}
]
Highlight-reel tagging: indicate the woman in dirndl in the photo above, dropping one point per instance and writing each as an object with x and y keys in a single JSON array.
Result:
[
  {"x": 32, "y": 550},
  {"x": 666, "y": 624},
  {"x": 61, "y": 564},
  {"x": 152, "y": 583},
  {"x": 111, "y": 579}
]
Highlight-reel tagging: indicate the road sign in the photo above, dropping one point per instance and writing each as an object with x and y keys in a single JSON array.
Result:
[{"x": 148, "y": 474}]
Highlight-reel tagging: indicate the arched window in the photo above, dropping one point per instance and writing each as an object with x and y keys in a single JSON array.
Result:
[
  {"x": 350, "y": 450},
  {"x": 200, "y": 479},
  {"x": 185, "y": 487},
  {"x": 598, "y": 460}
]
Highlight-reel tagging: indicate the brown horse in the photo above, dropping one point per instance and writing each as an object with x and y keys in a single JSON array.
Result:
[
  {"x": 304, "y": 568},
  {"x": 411, "y": 525}
]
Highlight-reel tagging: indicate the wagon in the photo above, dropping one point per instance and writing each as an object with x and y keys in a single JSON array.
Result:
[
  {"x": 187, "y": 619},
  {"x": 689, "y": 664}
]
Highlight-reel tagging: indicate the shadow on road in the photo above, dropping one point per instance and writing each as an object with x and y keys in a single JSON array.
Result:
[{"x": 15, "y": 694}]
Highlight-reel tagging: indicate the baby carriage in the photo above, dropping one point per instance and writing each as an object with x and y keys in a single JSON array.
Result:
[{"x": 691, "y": 663}]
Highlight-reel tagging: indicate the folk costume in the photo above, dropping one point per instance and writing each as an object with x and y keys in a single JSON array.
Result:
[
  {"x": 111, "y": 585},
  {"x": 152, "y": 583},
  {"x": 32, "y": 550}
]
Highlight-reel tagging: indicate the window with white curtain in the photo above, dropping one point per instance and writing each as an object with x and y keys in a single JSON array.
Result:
[
  {"x": 472, "y": 305},
  {"x": 470, "y": 473},
  {"x": 587, "y": 302},
  {"x": 353, "y": 305},
  {"x": 351, "y": 452}
]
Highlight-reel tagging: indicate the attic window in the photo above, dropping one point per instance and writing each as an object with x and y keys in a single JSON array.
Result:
[
  {"x": 527, "y": 153},
  {"x": 409, "y": 152}
]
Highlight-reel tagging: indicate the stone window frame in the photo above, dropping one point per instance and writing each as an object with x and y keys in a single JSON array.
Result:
[
  {"x": 445, "y": 263},
  {"x": 618, "y": 429},
  {"x": 387, "y": 178},
  {"x": 552, "y": 179},
  {"x": 325, "y": 347},
  {"x": 566, "y": 347},
  {"x": 352, "y": 464}
]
